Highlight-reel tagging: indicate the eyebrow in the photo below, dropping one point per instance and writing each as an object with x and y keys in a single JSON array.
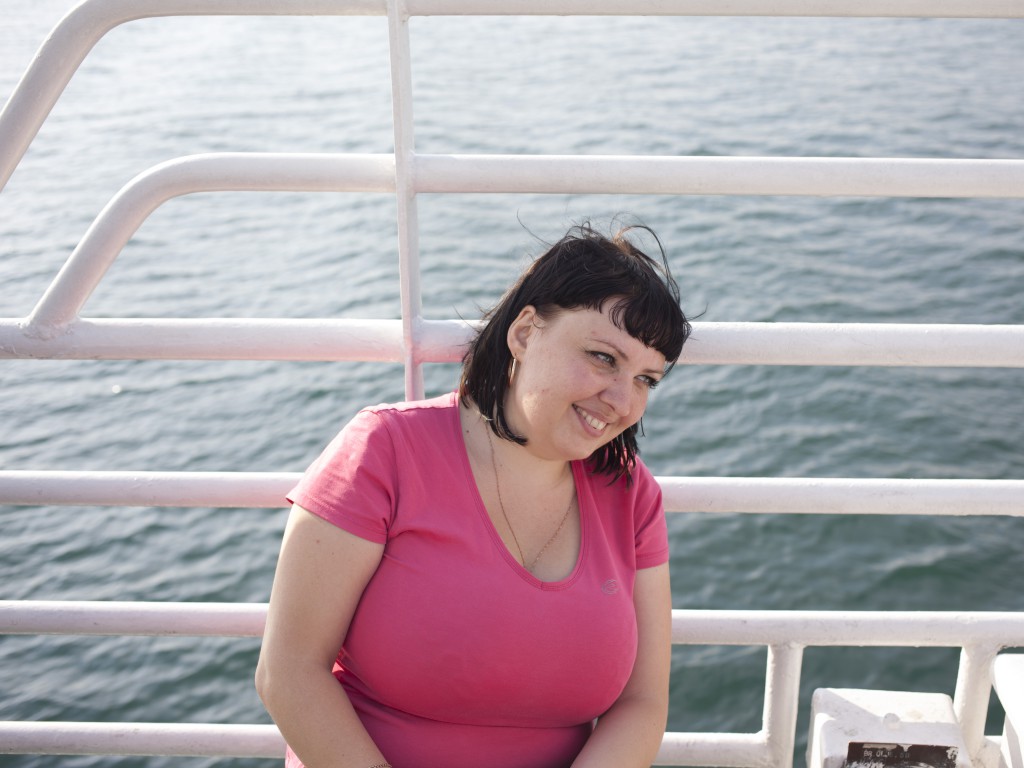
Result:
[{"x": 621, "y": 353}]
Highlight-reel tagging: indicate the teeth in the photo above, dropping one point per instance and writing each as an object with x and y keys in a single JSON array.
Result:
[{"x": 598, "y": 425}]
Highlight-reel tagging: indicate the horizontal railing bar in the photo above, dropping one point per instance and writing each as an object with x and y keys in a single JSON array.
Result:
[
  {"x": 96, "y": 617},
  {"x": 185, "y": 739},
  {"x": 807, "y": 8},
  {"x": 232, "y": 740},
  {"x": 223, "y": 172},
  {"x": 843, "y": 496},
  {"x": 180, "y": 739},
  {"x": 872, "y": 344},
  {"x": 670, "y": 175},
  {"x": 719, "y": 495},
  {"x": 443, "y": 341},
  {"x": 248, "y": 490},
  {"x": 208, "y": 339},
  {"x": 880, "y": 629},
  {"x": 947, "y": 629},
  {"x": 811, "y": 344}
]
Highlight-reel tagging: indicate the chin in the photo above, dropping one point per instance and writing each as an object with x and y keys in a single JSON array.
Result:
[{"x": 594, "y": 447}]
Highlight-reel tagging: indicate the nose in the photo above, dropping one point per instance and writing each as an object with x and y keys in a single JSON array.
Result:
[{"x": 624, "y": 397}]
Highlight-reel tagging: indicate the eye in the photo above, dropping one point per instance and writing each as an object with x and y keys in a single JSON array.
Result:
[
  {"x": 649, "y": 381},
  {"x": 603, "y": 357}
]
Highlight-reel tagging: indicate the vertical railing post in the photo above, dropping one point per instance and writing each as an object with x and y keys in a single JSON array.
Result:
[
  {"x": 781, "y": 702},
  {"x": 973, "y": 691},
  {"x": 408, "y": 223}
]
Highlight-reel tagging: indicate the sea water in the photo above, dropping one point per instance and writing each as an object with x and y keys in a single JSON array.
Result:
[{"x": 158, "y": 89}]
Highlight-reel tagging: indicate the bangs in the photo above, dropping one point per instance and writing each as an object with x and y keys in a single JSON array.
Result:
[
  {"x": 587, "y": 270},
  {"x": 653, "y": 318}
]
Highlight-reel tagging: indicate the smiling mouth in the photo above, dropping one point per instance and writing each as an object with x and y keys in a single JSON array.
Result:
[{"x": 598, "y": 425}]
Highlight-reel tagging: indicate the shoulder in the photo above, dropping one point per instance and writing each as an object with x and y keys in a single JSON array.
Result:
[
  {"x": 355, "y": 481},
  {"x": 635, "y": 508},
  {"x": 434, "y": 407},
  {"x": 410, "y": 416},
  {"x": 412, "y": 434},
  {"x": 641, "y": 487},
  {"x": 379, "y": 433}
]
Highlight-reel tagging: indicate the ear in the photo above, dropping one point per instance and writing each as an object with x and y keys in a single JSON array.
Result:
[{"x": 521, "y": 330}]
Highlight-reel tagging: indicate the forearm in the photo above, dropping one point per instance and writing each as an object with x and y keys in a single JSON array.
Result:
[
  {"x": 628, "y": 735},
  {"x": 321, "y": 574},
  {"x": 317, "y": 719}
]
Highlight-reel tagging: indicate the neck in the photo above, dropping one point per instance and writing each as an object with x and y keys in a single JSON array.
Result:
[{"x": 515, "y": 459}]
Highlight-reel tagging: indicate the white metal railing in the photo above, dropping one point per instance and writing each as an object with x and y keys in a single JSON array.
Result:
[
  {"x": 440, "y": 341},
  {"x": 785, "y": 633},
  {"x": 55, "y": 329},
  {"x": 122, "y": 217},
  {"x": 722, "y": 495},
  {"x": 72, "y": 39}
]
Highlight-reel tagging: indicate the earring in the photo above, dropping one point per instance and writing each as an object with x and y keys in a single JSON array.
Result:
[{"x": 512, "y": 371}]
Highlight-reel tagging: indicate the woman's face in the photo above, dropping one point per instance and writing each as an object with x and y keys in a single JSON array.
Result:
[{"x": 580, "y": 381}]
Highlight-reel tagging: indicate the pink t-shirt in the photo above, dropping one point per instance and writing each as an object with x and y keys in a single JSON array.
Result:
[{"x": 457, "y": 656}]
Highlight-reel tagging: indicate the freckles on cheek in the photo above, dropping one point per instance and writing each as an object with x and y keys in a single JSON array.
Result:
[{"x": 544, "y": 390}]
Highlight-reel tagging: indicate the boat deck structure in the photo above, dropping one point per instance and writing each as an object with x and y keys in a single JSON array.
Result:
[{"x": 57, "y": 329}]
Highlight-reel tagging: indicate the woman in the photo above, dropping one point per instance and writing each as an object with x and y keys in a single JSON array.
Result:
[{"x": 492, "y": 564}]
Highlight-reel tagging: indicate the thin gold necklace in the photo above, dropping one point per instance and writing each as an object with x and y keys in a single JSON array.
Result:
[{"x": 501, "y": 505}]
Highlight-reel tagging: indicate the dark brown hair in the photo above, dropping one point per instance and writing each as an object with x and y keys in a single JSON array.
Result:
[{"x": 581, "y": 271}]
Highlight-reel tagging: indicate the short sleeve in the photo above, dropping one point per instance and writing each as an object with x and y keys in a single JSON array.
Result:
[
  {"x": 352, "y": 483},
  {"x": 651, "y": 531}
]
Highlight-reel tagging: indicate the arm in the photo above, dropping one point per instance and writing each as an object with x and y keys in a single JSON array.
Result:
[
  {"x": 320, "y": 578},
  {"x": 630, "y": 732}
]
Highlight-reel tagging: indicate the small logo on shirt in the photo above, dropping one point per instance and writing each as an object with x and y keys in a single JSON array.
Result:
[{"x": 610, "y": 587}]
